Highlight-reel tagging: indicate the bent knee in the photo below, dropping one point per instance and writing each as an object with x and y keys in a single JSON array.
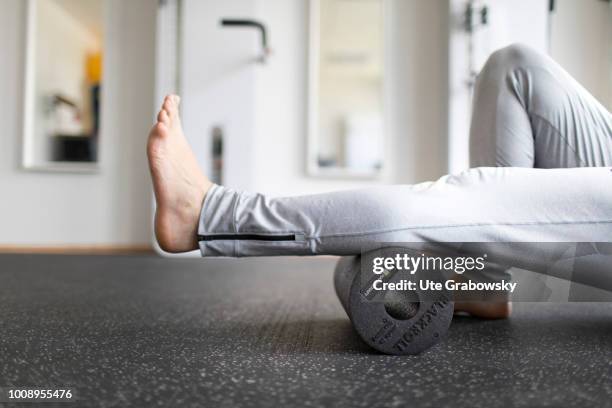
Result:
[
  {"x": 512, "y": 57},
  {"x": 515, "y": 54}
]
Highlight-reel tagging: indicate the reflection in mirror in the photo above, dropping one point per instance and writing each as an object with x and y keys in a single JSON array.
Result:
[
  {"x": 63, "y": 83},
  {"x": 346, "y": 119}
]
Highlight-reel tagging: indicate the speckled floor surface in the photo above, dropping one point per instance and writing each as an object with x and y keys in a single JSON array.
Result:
[{"x": 144, "y": 331}]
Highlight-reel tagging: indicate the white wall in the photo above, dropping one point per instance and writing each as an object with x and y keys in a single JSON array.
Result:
[
  {"x": 218, "y": 84},
  {"x": 112, "y": 207},
  {"x": 262, "y": 108},
  {"x": 416, "y": 86},
  {"x": 581, "y": 38},
  {"x": 418, "y": 57}
]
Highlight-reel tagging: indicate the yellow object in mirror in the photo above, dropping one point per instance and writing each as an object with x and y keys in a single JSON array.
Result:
[{"x": 94, "y": 68}]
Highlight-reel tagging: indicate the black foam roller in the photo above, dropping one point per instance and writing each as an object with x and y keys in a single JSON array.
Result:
[{"x": 392, "y": 322}]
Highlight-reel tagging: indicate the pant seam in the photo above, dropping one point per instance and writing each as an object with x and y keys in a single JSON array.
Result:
[
  {"x": 383, "y": 231},
  {"x": 249, "y": 231},
  {"x": 561, "y": 136},
  {"x": 527, "y": 108},
  {"x": 235, "y": 221}
]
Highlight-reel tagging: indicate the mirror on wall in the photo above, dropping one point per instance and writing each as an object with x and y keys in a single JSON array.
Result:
[
  {"x": 346, "y": 83},
  {"x": 64, "y": 72}
]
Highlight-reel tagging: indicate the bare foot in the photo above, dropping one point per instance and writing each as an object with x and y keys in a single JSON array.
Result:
[
  {"x": 179, "y": 184},
  {"x": 485, "y": 310}
]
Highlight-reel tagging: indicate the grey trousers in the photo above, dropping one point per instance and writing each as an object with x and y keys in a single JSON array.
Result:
[{"x": 539, "y": 143}]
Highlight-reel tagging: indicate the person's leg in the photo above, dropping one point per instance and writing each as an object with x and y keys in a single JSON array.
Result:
[
  {"x": 479, "y": 205},
  {"x": 529, "y": 112}
]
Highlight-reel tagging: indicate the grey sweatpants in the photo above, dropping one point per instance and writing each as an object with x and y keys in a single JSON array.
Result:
[{"x": 549, "y": 134}]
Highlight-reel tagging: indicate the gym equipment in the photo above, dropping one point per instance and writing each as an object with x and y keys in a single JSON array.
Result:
[
  {"x": 400, "y": 322},
  {"x": 411, "y": 321}
]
